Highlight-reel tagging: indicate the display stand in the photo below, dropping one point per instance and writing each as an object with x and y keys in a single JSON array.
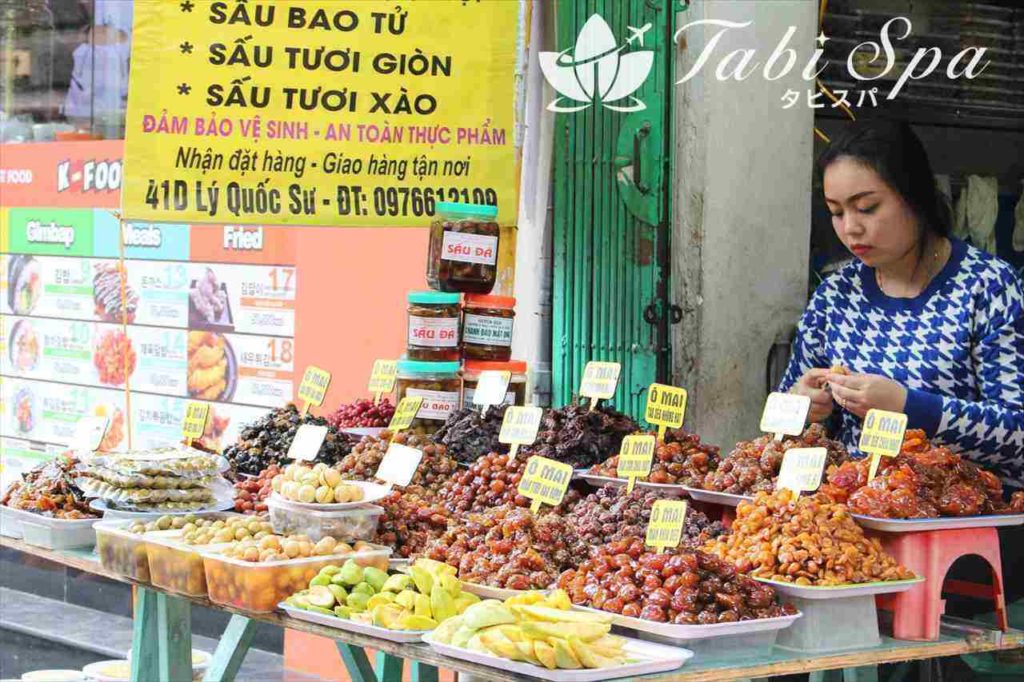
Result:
[
  {"x": 916, "y": 613},
  {"x": 832, "y": 625}
]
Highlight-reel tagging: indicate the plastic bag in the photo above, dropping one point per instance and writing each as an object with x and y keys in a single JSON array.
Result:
[
  {"x": 94, "y": 487},
  {"x": 122, "y": 480},
  {"x": 168, "y": 461},
  {"x": 977, "y": 210}
]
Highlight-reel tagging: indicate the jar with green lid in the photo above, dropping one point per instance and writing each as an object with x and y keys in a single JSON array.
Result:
[
  {"x": 433, "y": 326},
  {"x": 463, "y": 253},
  {"x": 438, "y": 383}
]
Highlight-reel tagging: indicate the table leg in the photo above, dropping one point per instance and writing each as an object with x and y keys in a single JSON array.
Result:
[
  {"x": 174, "y": 633},
  {"x": 423, "y": 672},
  {"x": 145, "y": 648},
  {"x": 356, "y": 662},
  {"x": 865, "y": 673},
  {"x": 389, "y": 668},
  {"x": 231, "y": 650}
]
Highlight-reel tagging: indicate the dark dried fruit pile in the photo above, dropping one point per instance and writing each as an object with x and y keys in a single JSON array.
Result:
[
  {"x": 923, "y": 481},
  {"x": 362, "y": 414},
  {"x": 509, "y": 547},
  {"x": 687, "y": 588},
  {"x": 266, "y": 441},
  {"x": 410, "y": 521},
  {"x": 754, "y": 465},
  {"x": 469, "y": 436},
  {"x": 682, "y": 459},
  {"x": 489, "y": 482},
  {"x": 609, "y": 514},
  {"x": 435, "y": 468},
  {"x": 578, "y": 436}
]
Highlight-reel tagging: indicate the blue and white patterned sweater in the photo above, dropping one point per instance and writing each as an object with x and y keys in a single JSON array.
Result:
[{"x": 958, "y": 348}]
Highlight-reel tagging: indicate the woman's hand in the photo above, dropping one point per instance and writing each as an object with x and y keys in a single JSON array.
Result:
[
  {"x": 858, "y": 393},
  {"x": 811, "y": 385}
]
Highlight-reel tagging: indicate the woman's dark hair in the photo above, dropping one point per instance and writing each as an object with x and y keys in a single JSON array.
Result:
[{"x": 894, "y": 151}]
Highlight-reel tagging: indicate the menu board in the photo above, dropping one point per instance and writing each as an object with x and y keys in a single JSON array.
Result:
[{"x": 184, "y": 313}]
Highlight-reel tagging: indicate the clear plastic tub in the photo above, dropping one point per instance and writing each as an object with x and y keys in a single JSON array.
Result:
[
  {"x": 176, "y": 566},
  {"x": 122, "y": 552},
  {"x": 10, "y": 522},
  {"x": 259, "y": 586},
  {"x": 354, "y": 523},
  {"x": 741, "y": 646},
  {"x": 51, "y": 533}
]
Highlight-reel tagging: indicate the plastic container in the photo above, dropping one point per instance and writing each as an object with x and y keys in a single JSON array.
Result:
[
  {"x": 259, "y": 586},
  {"x": 10, "y": 522},
  {"x": 433, "y": 326},
  {"x": 176, "y": 566},
  {"x": 54, "y": 676},
  {"x": 44, "y": 531},
  {"x": 463, "y": 253},
  {"x": 516, "y": 394},
  {"x": 832, "y": 625},
  {"x": 440, "y": 386},
  {"x": 740, "y": 646},
  {"x": 487, "y": 324},
  {"x": 122, "y": 552},
  {"x": 354, "y": 523}
]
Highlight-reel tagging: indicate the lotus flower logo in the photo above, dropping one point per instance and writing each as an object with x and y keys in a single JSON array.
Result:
[{"x": 595, "y": 70}]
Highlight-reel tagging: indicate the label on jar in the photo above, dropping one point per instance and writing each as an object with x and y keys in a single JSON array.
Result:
[
  {"x": 469, "y": 396},
  {"x": 487, "y": 330},
  {"x": 801, "y": 469},
  {"x": 469, "y": 248},
  {"x": 436, "y": 332},
  {"x": 665, "y": 529},
  {"x": 436, "y": 404}
]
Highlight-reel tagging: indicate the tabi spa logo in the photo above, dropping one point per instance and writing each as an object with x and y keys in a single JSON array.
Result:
[{"x": 595, "y": 70}]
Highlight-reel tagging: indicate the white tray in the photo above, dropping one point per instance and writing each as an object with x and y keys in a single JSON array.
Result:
[
  {"x": 371, "y": 493},
  {"x": 942, "y": 523},
  {"x": 842, "y": 591},
  {"x": 726, "y": 499},
  {"x": 108, "y": 513},
  {"x": 488, "y": 592},
  {"x": 654, "y": 658},
  {"x": 365, "y": 431},
  {"x": 691, "y": 632},
  {"x": 599, "y": 481},
  {"x": 404, "y": 636},
  {"x": 47, "y": 531}
]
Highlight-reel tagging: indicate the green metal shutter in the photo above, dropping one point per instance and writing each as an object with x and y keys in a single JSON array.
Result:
[{"x": 610, "y": 227}]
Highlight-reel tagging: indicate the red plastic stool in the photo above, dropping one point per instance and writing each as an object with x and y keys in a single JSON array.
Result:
[{"x": 916, "y": 612}]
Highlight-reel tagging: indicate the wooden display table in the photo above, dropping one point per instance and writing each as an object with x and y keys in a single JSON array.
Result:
[{"x": 162, "y": 643}]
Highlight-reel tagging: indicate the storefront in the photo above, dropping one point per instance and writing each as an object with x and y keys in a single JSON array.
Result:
[{"x": 235, "y": 236}]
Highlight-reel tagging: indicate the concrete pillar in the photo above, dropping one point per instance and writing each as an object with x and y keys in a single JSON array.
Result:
[{"x": 742, "y": 200}]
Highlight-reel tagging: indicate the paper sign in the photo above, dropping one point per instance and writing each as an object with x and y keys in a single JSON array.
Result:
[
  {"x": 382, "y": 378},
  {"x": 399, "y": 464},
  {"x": 665, "y": 529},
  {"x": 519, "y": 427},
  {"x": 882, "y": 436},
  {"x": 405, "y": 412},
  {"x": 89, "y": 432},
  {"x": 307, "y": 442},
  {"x": 491, "y": 388},
  {"x": 802, "y": 469},
  {"x": 313, "y": 387},
  {"x": 195, "y": 421},
  {"x": 785, "y": 414},
  {"x": 666, "y": 407},
  {"x": 635, "y": 457},
  {"x": 599, "y": 381},
  {"x": 544, "y": 481}
]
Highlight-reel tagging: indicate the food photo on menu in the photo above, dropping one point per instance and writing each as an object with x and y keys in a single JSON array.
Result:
[{"x": 515, "y": 341}]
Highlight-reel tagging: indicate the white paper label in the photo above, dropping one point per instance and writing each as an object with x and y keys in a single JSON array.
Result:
[
  {"x": 307, "y": 442},
  {"x": 436, "y": 404},
  {"x": 399, "y": 464},
  {"x": 436, "y": 332},
  {"x": 470, "y": 393},
  {"x": 487, "y": 330},
  {"x": 469, "y": 248},
  {"x": 89, "y": 433}
]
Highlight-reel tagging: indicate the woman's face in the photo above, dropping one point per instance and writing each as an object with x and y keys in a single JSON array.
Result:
[{"x": 870, "y": 217}]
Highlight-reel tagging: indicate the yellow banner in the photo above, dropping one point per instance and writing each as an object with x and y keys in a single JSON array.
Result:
[{"x": 341, "y": 113}]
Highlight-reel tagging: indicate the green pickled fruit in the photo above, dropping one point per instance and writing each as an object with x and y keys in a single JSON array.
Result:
[
  {"x": 318, "y": 609},
  {"x": 342, "y": 611},
  {"x": 330, "y": 570},
  {"x": 396, "y": 583},
  {"x": 351, "y": 573},
  {"x": 375, "y": 577},
  {"x": 379, "y": 599},
  {"x": 365, "y": 588},
  {"x": 336, "y": 579},
  {"x": 339, "y": 592},
  {"x": 320, "y": 580},
  {"x": 321, "y": 596},
  {"x": 424, "y": 581},
  {"x": 441, "y": 603},
  {"x": 406, "y": 599},
  {"x": 421, "y": 606},
  {"x": 357, "y": 601}
]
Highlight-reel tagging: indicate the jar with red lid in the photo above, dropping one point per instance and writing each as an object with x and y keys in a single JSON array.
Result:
[
  {"x": 433, "y": 326},
  {"x": 487, "y": 324},
  {"x": 463, "y": 255},
  {"x": 471, "y": 369}
]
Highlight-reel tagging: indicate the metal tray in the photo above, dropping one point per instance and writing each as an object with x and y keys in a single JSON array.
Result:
[
  {"x": 842, "y": 591},
  {"x": 941, "y": 523},
  {"x": 725, "y": 499},
  {"x": 402, "y": 636},
  {"x": 363, "y": 431},
  {"x": 488, "y": 592},
  {"x": 691, "y": 632},
  {"x": 601, "y": 481}
]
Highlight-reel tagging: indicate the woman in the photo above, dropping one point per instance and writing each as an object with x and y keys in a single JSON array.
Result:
[{"x": 919, "y": 322}]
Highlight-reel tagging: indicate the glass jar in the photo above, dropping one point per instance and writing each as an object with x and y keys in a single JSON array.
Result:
[
  {"x": 516, "y": 394},
  {"x": 487, "y": 323},
  {"x": 439, "y": 385},
  {"x": 433, "y": 326},
  {"x": 463, "y": 252}
]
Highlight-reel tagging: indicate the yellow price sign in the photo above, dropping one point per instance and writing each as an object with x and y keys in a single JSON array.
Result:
[
  {"x": 665, "y": 529},
  {"x": 405, "y": 412},
  {"x": 635, "y": 457},
  {"x": 785, "y": 414},
  {"x": 382, "y": 378},
  {"x": 801, "y": 470},
  {"x": 194, "y": 425},
  {"x": 544, "y": 481},
  {"x": 599, "y": 381},
  {"x": 314, "y": 387},
  {"x": 666, "y": 407},
  {"x": 519, "y": 427},
  {"x": 882, "y": 436}
]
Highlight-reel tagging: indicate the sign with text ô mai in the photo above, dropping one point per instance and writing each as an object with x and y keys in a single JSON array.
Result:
[
  {"x": 318, "y": 112},
  {"x": 882, "y": 436}
]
